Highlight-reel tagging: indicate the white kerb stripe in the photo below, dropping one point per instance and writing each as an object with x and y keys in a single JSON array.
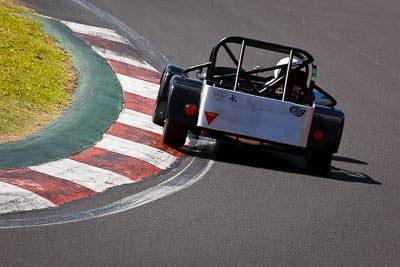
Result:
[
  {"x": 103, "y": 33},
  {"x": 138, "y": 87},
  {"x": 14, "y": 198},
  {"x": 139, "y": 120},
  {"x": 123, "y": 58},
  {"x": 88, "y": 176},
  {"x": 154, "y": 156}
]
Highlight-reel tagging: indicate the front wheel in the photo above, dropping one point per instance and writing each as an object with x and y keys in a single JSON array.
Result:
[
  {"x": 160, "y": 106},
  {"x": 174, "y": 134},
  {"x": 319, "y": 162}
]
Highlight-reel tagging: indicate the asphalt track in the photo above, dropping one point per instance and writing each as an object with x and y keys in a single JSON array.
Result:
[{"x": 255, "y": 208}]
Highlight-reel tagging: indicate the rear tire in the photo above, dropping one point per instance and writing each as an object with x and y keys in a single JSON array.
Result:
[
  {"x": 174, "y": 134},
  {"x": 319, "y": 162}
]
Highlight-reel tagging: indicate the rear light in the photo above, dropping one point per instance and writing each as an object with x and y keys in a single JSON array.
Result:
[
  {"x": 318, "y": 135},
  {"x": 190, "y": 110}
]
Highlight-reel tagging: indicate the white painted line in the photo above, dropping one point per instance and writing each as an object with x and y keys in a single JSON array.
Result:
[
  {"x": 162, "y": 190},
  {"x": 154, "y": 156},
  {"x": 139, "y": 120},
  {"x": 14, "y": 198},
  {"x": 107, "y": 34},
  {"x": 175, "y": 184},
  {"x": 123, "y": 58},
  {"x": 88, "y": 176},
  {"x": 138, "y": 87}
]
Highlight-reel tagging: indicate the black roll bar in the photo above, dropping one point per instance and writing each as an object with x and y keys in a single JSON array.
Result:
[
  {"x": 299, "y": 53},
  {"x": 205, "y": 65}
]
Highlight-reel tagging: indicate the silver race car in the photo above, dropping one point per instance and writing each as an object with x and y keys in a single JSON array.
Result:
[{"x": 252, "y": 92}]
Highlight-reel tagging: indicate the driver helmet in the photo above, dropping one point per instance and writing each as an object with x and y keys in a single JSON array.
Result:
[{"x": 283, "y": 61}]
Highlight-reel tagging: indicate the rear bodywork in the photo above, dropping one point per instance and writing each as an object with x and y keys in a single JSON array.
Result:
[{"x": 254, "y": 116}]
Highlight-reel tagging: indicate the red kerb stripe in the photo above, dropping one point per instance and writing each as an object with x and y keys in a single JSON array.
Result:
[
  {"x": 135, "y": 72},
  {"x": 139, "y": 103},
  {"x": 57, "y": 190},
  {"x": 141, "y": 136},
  {"x": 132, "y": 168},
  {"x": 118, "y": 47}
]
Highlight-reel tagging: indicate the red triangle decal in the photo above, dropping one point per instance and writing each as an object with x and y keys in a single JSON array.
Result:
[{"x": 210, "y": 116}]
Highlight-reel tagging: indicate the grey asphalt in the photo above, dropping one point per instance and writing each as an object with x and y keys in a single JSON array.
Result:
[{"x": 258, "y": 208}]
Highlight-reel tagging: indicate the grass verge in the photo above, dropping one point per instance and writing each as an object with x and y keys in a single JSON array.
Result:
[{"x": 36, "y": 76}]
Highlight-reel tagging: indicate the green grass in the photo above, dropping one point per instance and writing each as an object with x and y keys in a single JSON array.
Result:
[{"x": 36, "y": 77}]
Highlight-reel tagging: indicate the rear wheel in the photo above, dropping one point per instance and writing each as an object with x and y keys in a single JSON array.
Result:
[
  {"x": 174, "y": 134},
  {"x": 319, "y": 162}
]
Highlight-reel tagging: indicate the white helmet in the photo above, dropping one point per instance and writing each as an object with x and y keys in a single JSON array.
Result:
[{"x": 283, "y": 61}]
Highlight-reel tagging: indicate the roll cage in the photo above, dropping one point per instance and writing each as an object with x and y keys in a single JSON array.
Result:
[{"x": 248, "y": 80}]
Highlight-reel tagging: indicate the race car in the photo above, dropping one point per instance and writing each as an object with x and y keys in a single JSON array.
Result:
[{"x": 253, "y": 92}]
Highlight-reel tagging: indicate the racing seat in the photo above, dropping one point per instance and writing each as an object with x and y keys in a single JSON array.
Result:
[{"x": 297, "y": 89}]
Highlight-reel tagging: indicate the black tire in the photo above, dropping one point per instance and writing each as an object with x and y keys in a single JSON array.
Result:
[
  {"x": 319, "y": 162},
  {"x": 174, "y": 134},
  {"x": 159, "y": 112},
  {"x": 160, "y": 106}
]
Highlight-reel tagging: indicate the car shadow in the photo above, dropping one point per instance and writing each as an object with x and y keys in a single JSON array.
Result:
[
  {"x": 349, "y": 160},
  {"x": 350, "y": 176},
  {"x": 272, "y": 160}
]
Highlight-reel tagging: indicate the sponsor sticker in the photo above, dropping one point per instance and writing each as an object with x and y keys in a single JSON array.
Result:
[
  {"x": 297, "y": 111},
  {"x": 219, "y": 95}
]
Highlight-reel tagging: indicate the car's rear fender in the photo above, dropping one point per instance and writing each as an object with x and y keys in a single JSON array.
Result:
[
  {"x": 182, "y": 92},
  {"x": 330, "y": 122}
]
